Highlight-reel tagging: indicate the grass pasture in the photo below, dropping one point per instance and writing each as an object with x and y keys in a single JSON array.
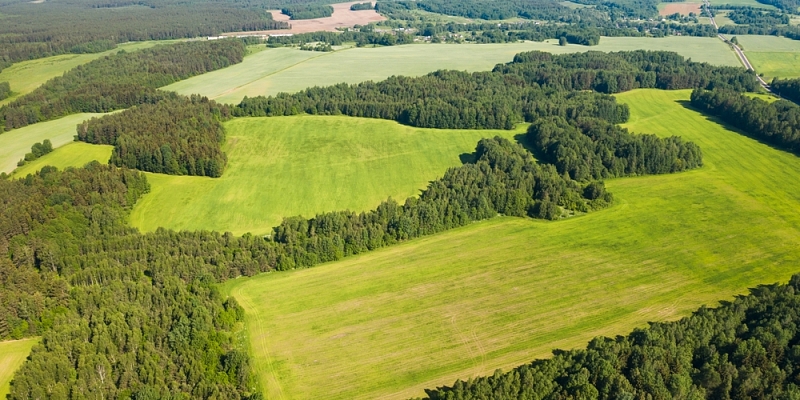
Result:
[
  {"x": 26, "y": 76},
  {"x": 502, "y": 292},
  {"x": 76, "y": 154},
  {"x": 16, "y": 143},
  {"x": 781, "y": 65},
  {"x": 280, "y": 167},
  {"x": 289, "y": 70},
  {"x": 12, "y": 354},
  {"x": 748, "y": 3}
]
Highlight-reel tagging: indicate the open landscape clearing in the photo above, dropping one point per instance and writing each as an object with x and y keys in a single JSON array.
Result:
[
  {"x": 745, "y": 3},
  {"x": 286, "y": 166},
  {"x": 272, "y": 71},
  {"x": 15, "y": 144},
  {"x": 12, "y": 355},
  {"x": 28, "y": 75},
  {"x": 680, "y": 8},
  {"x": 500, "y": 293},
  {"x": 75, "y": 154},
  {"x": 772, "y": 56},
  {"x": 342, "y": 17}
]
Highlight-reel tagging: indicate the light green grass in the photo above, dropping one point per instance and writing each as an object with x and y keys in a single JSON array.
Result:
[
  {"x": 288, "y": 70},
  {"x": 16, "y": 143},
  {"x": 749, "y": 3},
  {"x": 281, "y": 167},
  {"x": 26, "y": 76},
  {"x": 500, "y": 293},
  {"x": 768, "y": 97},
  {"x": 12, "y": 355},
  {"x": 762, "y": 43},
  {"x": 76, "y": 154},
  {"x": 771, "y": 65}
]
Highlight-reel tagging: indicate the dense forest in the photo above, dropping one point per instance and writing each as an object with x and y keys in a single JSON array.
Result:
[
  {"x": 776, "y": 123},
  {"x": 790, "y": 6},
  {"x": 534, "y": 85},
  {"x": 180, "y": 136},
  {"x": 120, "y": 81},
  {"x": 5, "y": 90},
  {"x": 32, "y": 31},
  {"x": 308, "y": 11},
  {"x": 755, "y": 17},
  {"x": 745, "y": 349},
  {"x": 589, "y": 149},
  {"x": 788, "y": 88}
]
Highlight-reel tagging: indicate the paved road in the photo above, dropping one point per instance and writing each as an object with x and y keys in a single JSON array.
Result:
[{"x": 736, "y": 48}]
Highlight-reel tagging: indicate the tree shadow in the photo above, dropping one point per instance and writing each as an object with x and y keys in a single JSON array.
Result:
[
  {"x": 719, "y": 121},
  {"x": 523, "y": 140}
]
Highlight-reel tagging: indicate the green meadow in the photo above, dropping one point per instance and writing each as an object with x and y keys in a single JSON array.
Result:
[
  {"x": 76, "y": 154},
  {"x": 16, "y": 143},
  {"x": 26, "y": 76},
  {"x": 304, "y": 165},
  {"x": 290, "y": 70},
  {"x": 12, "y": 354},
  {"x": 772, "y": 56},
  {"x": 748, "y": 3},
  {"x": 502, "y": 292}
]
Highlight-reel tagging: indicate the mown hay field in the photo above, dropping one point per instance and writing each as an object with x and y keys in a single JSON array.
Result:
[{"x": 502, "y": 292}]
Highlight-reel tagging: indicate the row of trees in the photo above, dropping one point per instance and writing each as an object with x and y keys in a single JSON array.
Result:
[
  {"x": 32, "y": 31},
  {"x": 37, "y": 150},
  {"x": 120, "y": 81},
  {"x": 5, "y": 90},
  {"x": 180, "y": 136},
  {"x": 589, "y": 149},
  {"x": 362, "y": 6},
  {"x": 745, "y": 349},
  {"x": 776, "y": 123},
  {"x": 307, "y": 11},
  {"x": 534, "y": 85},
  {"x": 756, "y": 17}
]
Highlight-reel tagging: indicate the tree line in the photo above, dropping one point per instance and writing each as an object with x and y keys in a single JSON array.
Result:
[
  {"x": 5, "y": 90},
  {"x": 788, "y": 88},
  {"x": 776, "y": 123},
  {"x": 37, "y": 150},
  {"x": 533, "y": 85},
  {"x": 33, "y": 31},
  {"x": 307, "y": 11},
  {"x": 120, "y": 81},
  {"x": 362, "y": 6},
  {"x": 744, "y": 349},
  {"x": 589, "y": 149},
  {"x": 756, "y": 17},
  {"x": 178, "y": 136}
]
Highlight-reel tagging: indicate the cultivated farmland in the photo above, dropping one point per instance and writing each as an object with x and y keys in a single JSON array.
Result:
[
  {"x": 772, "y": 56},
  {"x": 12, "y": 355},
  {"x": 281, "y": 167},
  {"x": 287, "y": 70},
  {"x": 499, "y": 293}
]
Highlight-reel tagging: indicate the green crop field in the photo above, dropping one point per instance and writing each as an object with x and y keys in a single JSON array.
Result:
[
  {"x": 759, "y": 43},
  {"x": 502, "y": 292},
  {"x": 289, "y": 70},
  {"x": 280, "y": 167},
  {"x": 749, "y": 3},
  {"x": 12, "y": 354},
  {"x": 76, "y": 154},
  {"x": 771, "y": 65},
  {"x": 14, "y": 144},
  {"x": 28, "y": 75}
]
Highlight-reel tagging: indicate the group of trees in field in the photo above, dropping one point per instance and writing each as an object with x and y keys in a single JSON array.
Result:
[
  {"x": 336, "y": 39},
  {"x": 362, "y": 6},
  {"x": 5, "y": 90},
  {"x": 34, "y": 30},
  {"x": 745, "y": 349},
  {"x": 119, "y": 81},
  {"x": 789, "y": 6},
  {"x": 178, "y": 136},
  {"x": 307, "y": 11},
  {"x": 37, "y": 150},
  {"x": 787, "y": 31},
  {"x": 548, "y": 10},
  {"x": 757, "y": 17},
  {"x": 589, "y": 149},
  {"x": 776, "y": 123},
  {"x": 534, "y": 85}
]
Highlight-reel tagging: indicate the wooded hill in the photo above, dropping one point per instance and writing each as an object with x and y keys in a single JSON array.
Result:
[{"x": 745, "y": 349}]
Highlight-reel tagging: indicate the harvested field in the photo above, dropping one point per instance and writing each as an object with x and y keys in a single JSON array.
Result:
[
  {"x": 682, "y": 8},
  {"x": 342, "y": 17}
]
